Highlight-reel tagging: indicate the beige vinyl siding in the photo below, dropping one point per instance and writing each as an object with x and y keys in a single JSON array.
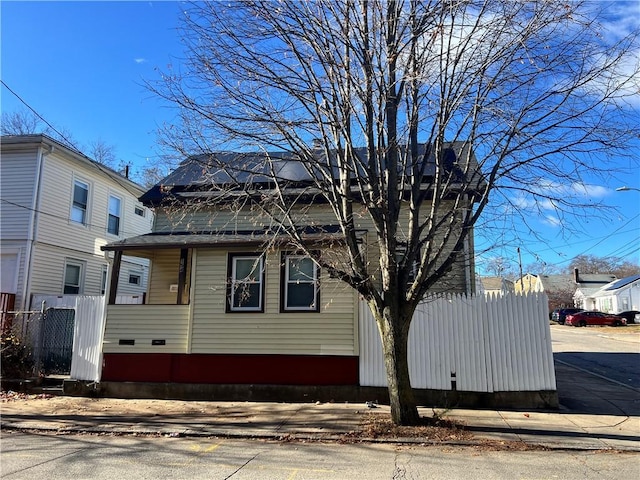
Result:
[
  {"x": 163, "y": 274},
  {"x": 206, "y": 219},
  {"x": 17, "y": 184},
  {"x": 144, "y": 323},
  {"x": 332, "y": 331}
]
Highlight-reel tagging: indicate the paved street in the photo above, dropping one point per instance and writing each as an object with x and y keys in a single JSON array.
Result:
[
  {"x": 615, "y": 356},
  {"x": 31, "y": 456},
  {"x": 251, "y": 440}
]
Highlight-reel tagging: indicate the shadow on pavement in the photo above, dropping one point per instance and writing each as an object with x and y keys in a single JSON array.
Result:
[{"x": 584, "y": 393}]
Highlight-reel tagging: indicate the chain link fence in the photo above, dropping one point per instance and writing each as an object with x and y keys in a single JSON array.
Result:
[{"x": 48, "y": 335}]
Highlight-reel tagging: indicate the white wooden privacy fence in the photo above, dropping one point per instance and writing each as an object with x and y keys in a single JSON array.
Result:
[{"x": 483, "y": 344}]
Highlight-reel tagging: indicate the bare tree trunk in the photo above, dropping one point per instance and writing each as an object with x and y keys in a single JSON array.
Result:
[{"x": 395, "y": 342}]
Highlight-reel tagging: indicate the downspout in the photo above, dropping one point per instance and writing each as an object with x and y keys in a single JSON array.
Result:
[{"x": 33, "y": 228}]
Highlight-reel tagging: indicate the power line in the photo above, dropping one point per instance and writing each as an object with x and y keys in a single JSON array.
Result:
[
  {"x": 62, "y": 217},
  {"x": 39, "y": 116},
  {"x": 107, "y": 171}
]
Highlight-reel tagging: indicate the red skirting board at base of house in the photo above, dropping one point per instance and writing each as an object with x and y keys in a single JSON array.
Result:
[{"x": 230, "y": 369}]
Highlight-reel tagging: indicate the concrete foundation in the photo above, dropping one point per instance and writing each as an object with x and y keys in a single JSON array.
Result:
[{"x": 535, "y": 400}]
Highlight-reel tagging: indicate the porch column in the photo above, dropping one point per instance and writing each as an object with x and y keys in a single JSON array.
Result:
[
  {"x": 115, "y": 275},
  {"x": 182, "y": 274}
]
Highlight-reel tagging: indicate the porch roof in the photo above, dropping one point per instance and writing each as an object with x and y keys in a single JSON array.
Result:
[{"x": 168, "y": 240}]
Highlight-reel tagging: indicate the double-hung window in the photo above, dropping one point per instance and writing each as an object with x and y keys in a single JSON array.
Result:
[
  {"x": 73, "y": 272},
  {"x": 113, "y": 225},
  {"x": 401, "y": 251},
  {"x": 299, "y": 290},
  {"x": 246, "y": 283},
  {"x": 80, "y": 201}
]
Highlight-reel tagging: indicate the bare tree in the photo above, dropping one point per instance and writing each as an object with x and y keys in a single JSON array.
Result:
[
  {"x": 593, "y": 264},
  {"x": 532, "y": 91},
  {"x": 24, "y": 122},
  {"x": 103, "y": 153},
  {"x": 20, "y": 123}
]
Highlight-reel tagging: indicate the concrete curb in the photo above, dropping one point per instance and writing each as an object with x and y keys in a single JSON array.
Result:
[{"x": 334, "y": 438}]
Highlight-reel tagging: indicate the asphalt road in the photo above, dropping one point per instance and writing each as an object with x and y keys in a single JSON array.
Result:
[
  {"x": 613, "y": 356},
  {"x": 32, "y": 456}
]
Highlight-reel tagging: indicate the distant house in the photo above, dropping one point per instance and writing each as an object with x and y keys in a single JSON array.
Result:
[
  {"x": 571, "y": 290},
  {"x": 615, "y": 297},
  {"x": 496, "y": 286},
  {"x": 58, "y": 208},
  {"x": 527, "y": 283}
]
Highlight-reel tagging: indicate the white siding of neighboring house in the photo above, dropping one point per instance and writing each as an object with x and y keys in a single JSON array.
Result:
[
  {"x": 133, "y": 265},
  {"x": 56, "y": 237},
  {"x": 56, "y": 228},
  {"x": 622, "y": 299},
  {"x": 17, "y": 184}
]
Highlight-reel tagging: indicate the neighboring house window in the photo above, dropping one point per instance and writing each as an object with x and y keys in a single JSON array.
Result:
[
  {"x": 113, "y": 226},
  {"x": 73, "y": 272},
  {"x": 299, "y": 290},
  {"x": 246, "y": 283},
  {"x": 80, "y": 201},
  {"x": 135, "y": 278},
  {"x": 401, "y": 250},
  {"x": 139, "y": 211}
]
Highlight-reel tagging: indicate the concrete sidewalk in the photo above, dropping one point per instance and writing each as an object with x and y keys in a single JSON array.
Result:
[
  {"x": 584, "y": 424},
  {"x": 561, "y": 430}
]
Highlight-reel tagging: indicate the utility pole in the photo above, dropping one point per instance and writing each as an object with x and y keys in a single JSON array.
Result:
[{"x": 520, "y": 265}]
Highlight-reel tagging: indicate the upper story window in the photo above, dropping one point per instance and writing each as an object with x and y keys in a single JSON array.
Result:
[
  {"x": 80, "y": 202},
  {"x": 113, "y": 224},
  {"x": 401, "y": 251},
  {"x": 246, "y": 283},
  {"x": 135, "y": 278},
  {"x": 139, "y": 211},
  {"x": 73, "y": 272},
  {"x": 299, "y": 290}
]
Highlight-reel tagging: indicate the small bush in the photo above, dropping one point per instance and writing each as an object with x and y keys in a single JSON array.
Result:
[{"x": 16, "y": 359}]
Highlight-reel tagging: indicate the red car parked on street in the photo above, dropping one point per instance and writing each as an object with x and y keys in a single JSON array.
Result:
[{"x": 582, "y": 319}]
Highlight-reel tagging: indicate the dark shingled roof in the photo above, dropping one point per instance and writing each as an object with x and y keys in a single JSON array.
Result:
[{"x": 200, "y": 173}]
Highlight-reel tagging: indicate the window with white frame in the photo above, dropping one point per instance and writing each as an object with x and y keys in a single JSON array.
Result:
[
  {"x": 299, "y": 291},
  {"x": 113, "y": 224},
  {"x": 246, "y": 283},
  {"x": 73, "y": 274},
  {"x": 80, "y": 202},
  {"x": 135, "y": 278}
]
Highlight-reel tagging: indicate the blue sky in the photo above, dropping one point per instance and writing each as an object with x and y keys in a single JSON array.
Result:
[{"x": 81, "y": 66}]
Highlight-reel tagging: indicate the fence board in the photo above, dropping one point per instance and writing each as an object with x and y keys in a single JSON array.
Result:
[
  {"x": 489, "y": 343},
  {"x": 87, "y": 340}
]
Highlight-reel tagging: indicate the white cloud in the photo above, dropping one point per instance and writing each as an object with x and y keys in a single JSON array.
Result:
[
  {"x": 551, "y": 220},
  {"x": 140, "y": 60}
]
